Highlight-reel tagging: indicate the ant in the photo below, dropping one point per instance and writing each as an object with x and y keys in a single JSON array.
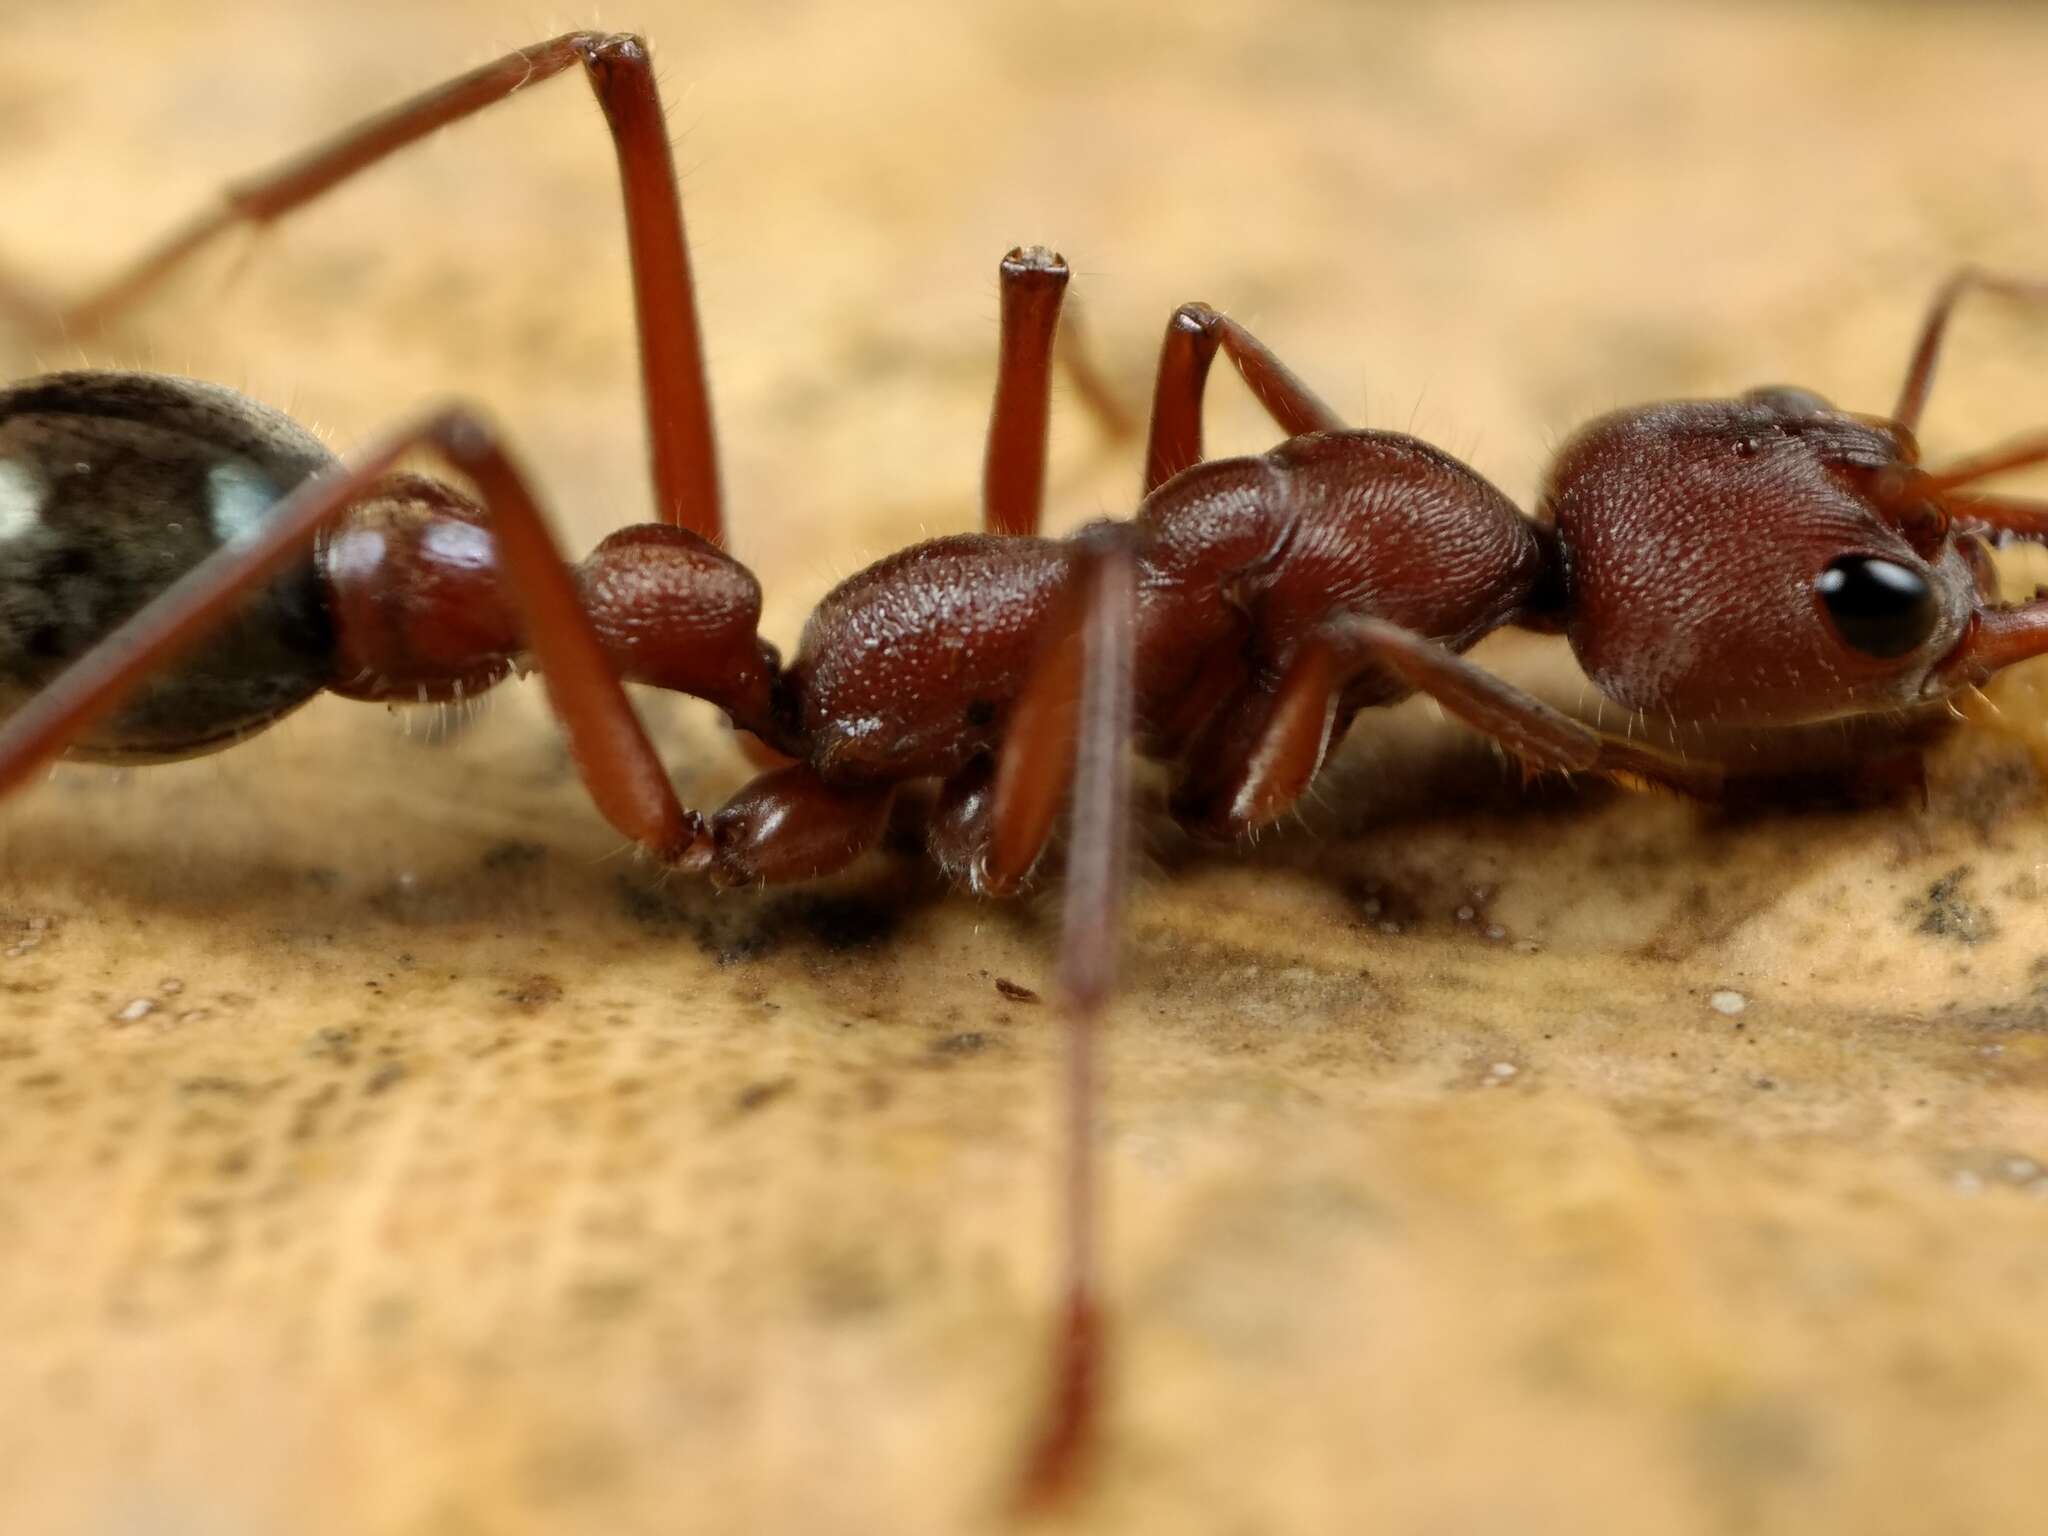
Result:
[{"x": 1760, "y": 563}]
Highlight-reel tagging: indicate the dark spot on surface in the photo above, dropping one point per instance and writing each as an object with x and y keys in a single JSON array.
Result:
[
  {"x": 861, "y": 912},
  {"x": 981, "y": 713},
  {"x": 389, "y": 1075},
  {"x": 45, "y": 642},
  {"x": 1014, "y": 992},
  {"x": 1386, "y": 906},
  {"x": 1992, "y": 786},
  {"x": 650, "y": 906},
  {"x": 967, "y": 1043},
  {"x": 1473, "y": 914},
  {"x": 225, "y": 1087},
  {"x": 388, "y": 1316},
  {"x": 533, "y": 993},
  {"x": 756, "y": 1095},
  {"x": 1740, "y": 1446},
  {"x": 512, "y": 854},
  {"x": 601, "y": 1299},
  {"x": 336, "y": 1043},
  {"x": 841, "y": 922},
  {"x": 573, "y": 1463},
  {"x": 1946, "y": 913},
  {"x": 306, "y": 1118},
  {"x": 846, "y": 1283}
]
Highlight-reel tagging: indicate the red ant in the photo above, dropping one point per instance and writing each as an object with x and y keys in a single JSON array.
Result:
[{"x": 1763, "y": 562}]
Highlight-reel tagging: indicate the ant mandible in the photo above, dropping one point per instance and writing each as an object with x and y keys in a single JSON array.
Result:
[{"x": 1762, "y": 562}]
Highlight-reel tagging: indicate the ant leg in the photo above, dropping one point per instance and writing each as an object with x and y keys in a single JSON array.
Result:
[
  {"x": 1003, "y": 826},
  {"x": 1934, "y": 329},
  {"x": 1084, "y": 376},
  {"x": 956, "y": 834},
  {"x": 1033, "y": 282},
  {"x": 617, "y": 763},
  {"x": 1999, "y": 638},
  {"x": 1074, "y": 722},
  {"x": 2020, "y": 453},
  {"x": 1192, "y": 337},
  {"x": 1543, "y": 738},
  {"x": 1299, "y": 728},
  {"x": 789, "y": 824},
  {"x": 2012, "y": 517},
  {"x": 621, "y": 74}
]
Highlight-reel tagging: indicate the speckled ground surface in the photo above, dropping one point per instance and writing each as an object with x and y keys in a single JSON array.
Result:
[{"x": 383, "y": 1152}]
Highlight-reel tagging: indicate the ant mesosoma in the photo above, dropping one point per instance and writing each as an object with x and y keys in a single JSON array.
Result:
[{"x": 179, "y": 566}]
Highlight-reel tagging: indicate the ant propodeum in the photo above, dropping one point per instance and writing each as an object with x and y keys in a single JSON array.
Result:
[{"x": 179, "y": 566}]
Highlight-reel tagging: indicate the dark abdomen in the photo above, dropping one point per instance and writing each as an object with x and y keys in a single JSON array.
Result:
[{"x": 112, "y": 486}]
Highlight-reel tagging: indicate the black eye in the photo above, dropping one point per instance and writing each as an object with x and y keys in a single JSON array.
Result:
[{"x": 1879, "y": 607}]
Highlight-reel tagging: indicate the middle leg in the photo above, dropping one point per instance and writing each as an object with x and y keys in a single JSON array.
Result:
[
  {"x": 1073, "y": 727},
  {"x": 1193, "y": 334},
  {"x": 1934, "y": 330},
  {"x": 1276, "y": 748}
]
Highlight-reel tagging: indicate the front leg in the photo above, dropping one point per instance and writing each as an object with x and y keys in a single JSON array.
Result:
[
  {"x": 1280, "y": 740},
  {"x": 1934, "y": 330}
]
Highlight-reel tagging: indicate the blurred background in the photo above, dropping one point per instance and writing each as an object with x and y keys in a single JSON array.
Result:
[{"x": 456, "y": 1177}]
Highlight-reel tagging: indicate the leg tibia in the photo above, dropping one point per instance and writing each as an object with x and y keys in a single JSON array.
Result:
[
  {"x": 1258, "y": 755},
  {"x": 1034, "y": 280},
  {"x": 1543, "y": 739},
  {"x": 957, "y": 833},
  {"x": 1102, "y": 625},
  {"x": 1254, "y": 762},
  {"x": 1934, "y": 330},
  {"x": 1192, "y": 336}
]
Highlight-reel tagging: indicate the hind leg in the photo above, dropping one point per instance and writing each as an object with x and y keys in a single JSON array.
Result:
[{"x": 621, "y": 76}]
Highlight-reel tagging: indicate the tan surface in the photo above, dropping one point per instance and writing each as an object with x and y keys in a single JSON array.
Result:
[{"x": 460, "y": 1178}]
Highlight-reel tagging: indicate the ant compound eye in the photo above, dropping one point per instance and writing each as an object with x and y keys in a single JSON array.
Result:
[
  {"x": 1878, "y": 606},
  {"x": 1788, "y": 400}
]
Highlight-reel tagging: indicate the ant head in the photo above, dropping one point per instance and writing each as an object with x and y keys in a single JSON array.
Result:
[{"x": 1765, "y": 560}]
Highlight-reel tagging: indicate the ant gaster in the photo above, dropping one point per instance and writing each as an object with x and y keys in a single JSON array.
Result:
[{"x": 179, "y": 566}]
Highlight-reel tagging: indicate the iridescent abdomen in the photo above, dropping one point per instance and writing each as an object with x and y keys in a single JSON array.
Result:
[{"x": 111, "y": 487}]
